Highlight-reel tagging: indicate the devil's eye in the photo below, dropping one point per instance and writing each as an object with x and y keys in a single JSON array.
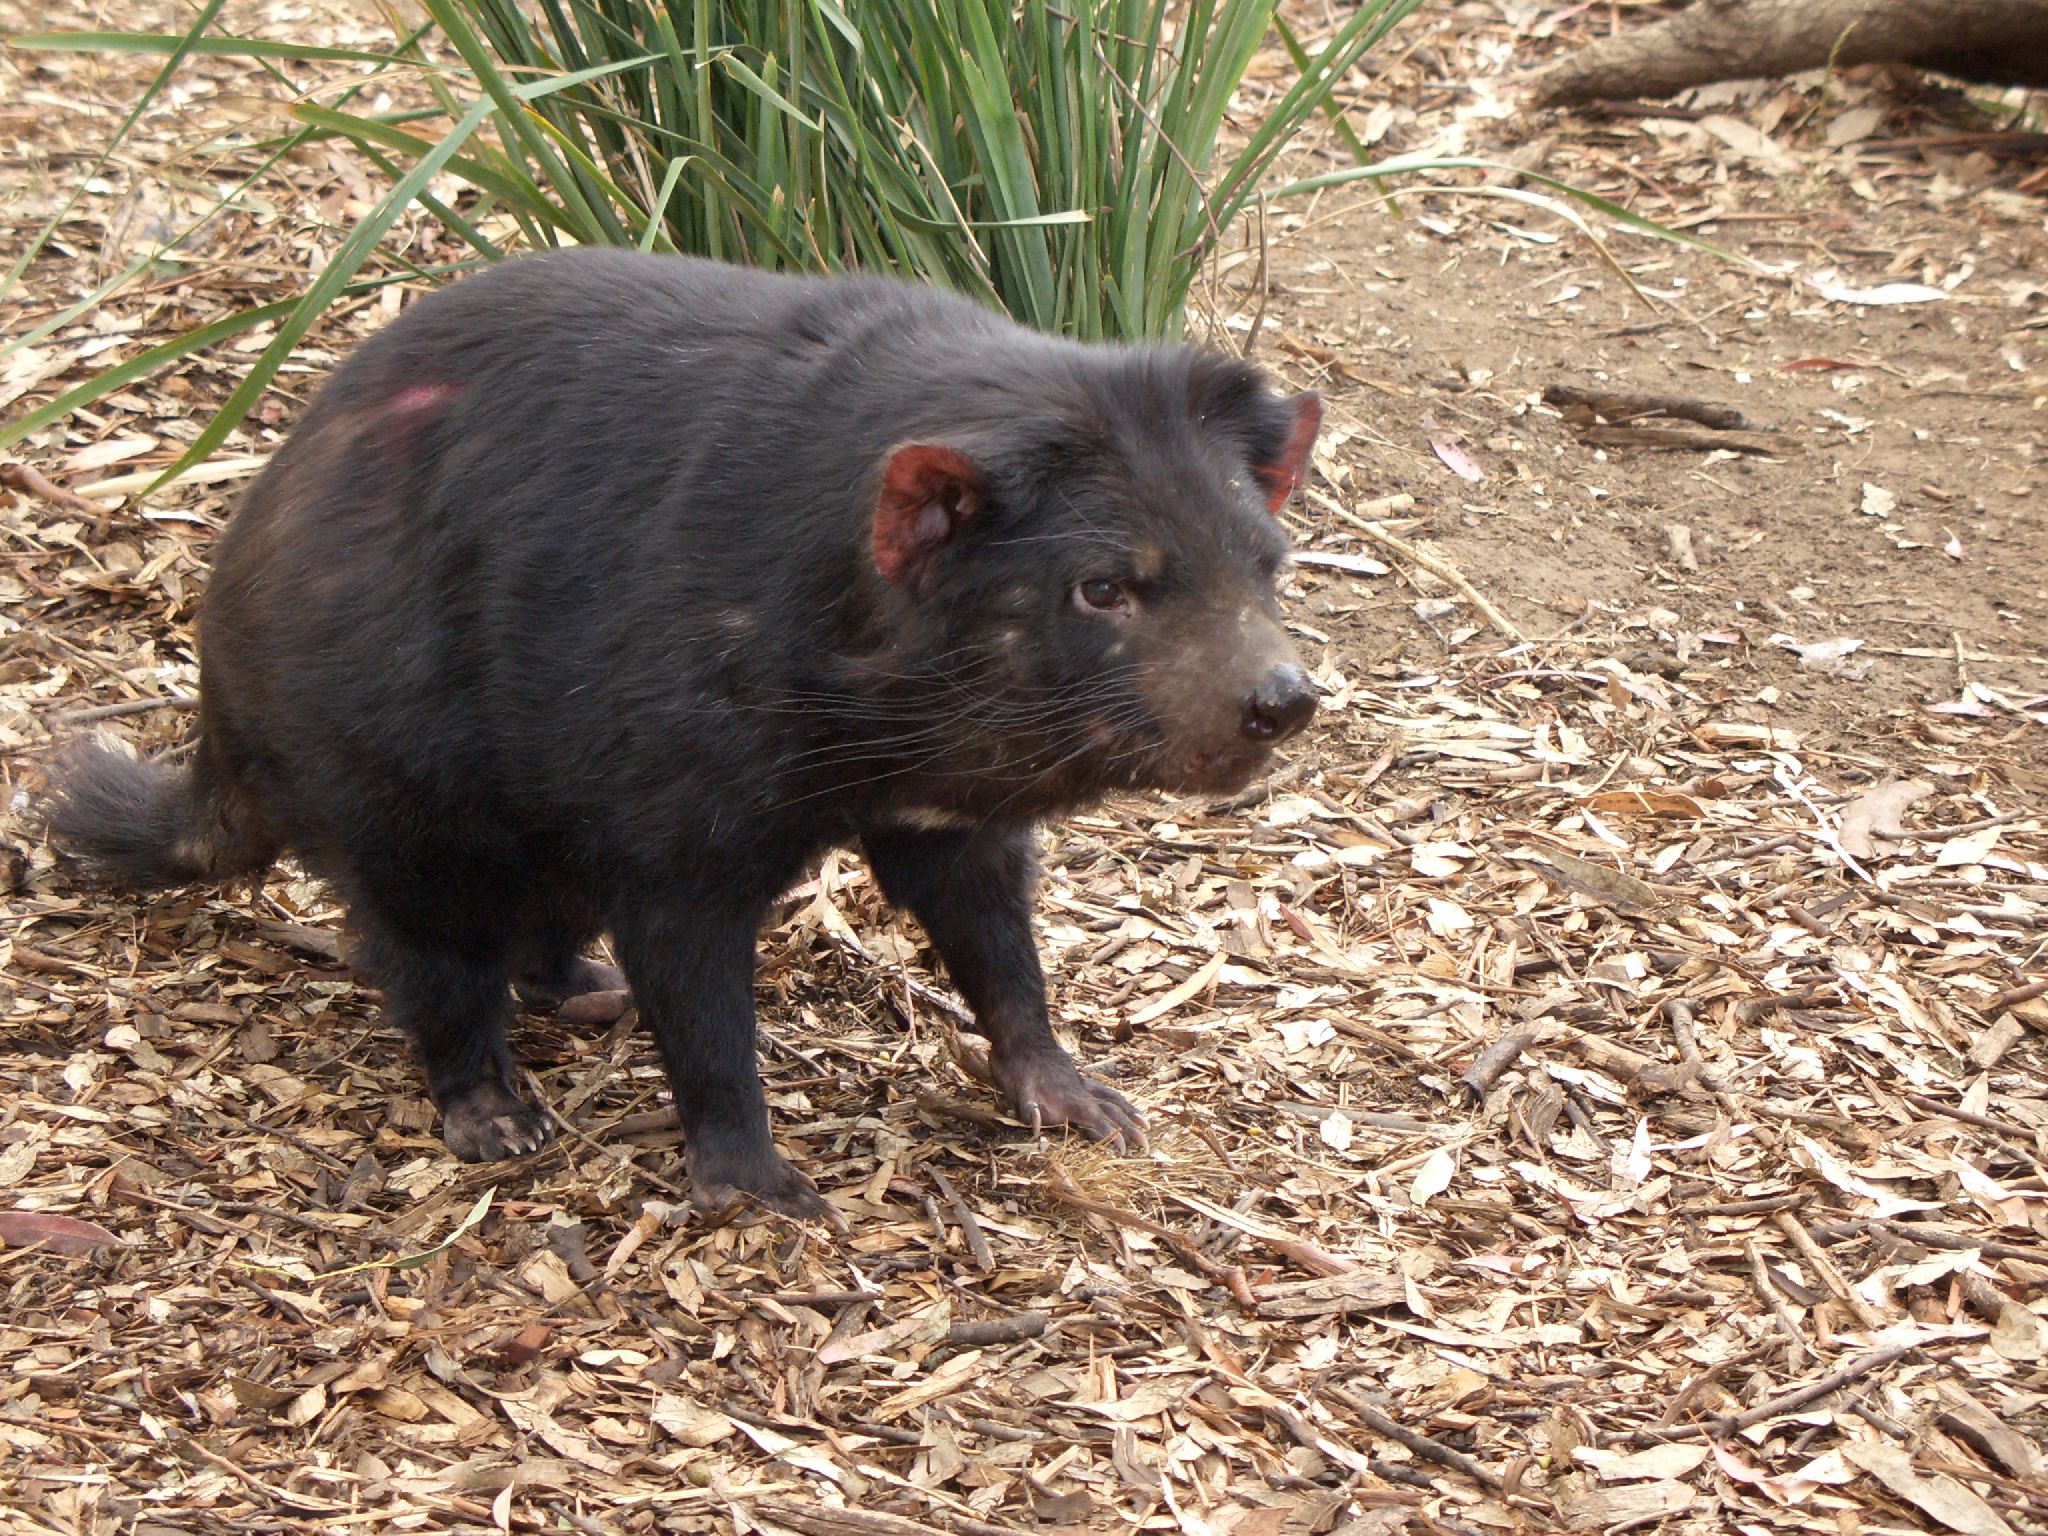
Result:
[{"x": 1102, "y": 595}]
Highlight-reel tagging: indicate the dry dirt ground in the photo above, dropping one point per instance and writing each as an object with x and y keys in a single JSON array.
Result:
[{"x": 1590, "y": 1092}]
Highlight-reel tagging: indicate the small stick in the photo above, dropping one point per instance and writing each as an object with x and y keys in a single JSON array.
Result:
[
  {"x": 998, "y": 1330},
  {"x": 1404, "y": 1125},
  {"x": 611, "y": 1154},
  {"x": 1955, "y": 1242},
  {"x": 1943, "y": 834},
  {"x": 1229, "y": 1276},
  {"x": 1834, "y": 1381},
  {"x": 1760, "y": 1276},
  {"x": 32, "y": 482},
  {"x": 1678, "y": 1014},
  {"x": 1807, "y": 920},
  {"x": 1306, "y": 1254},
  {"x": 970, "y": 1229},
  {"x": 1798, "y": 1397},
  {"x": 1419, "y": 1443},
  {"x": 814, "y": 1299},
  {"x": 1311, "y": 1258},
  {"x": 1613, "y": 407},
  {"x": 1689, "y": 1393},
  {"x": 1951, "y": 1112},
  {"x": 1697, "y": 438},
  {"x": 1441, "y": 569},
  {"x": 125, "y": 707},
  {"x": 931, "y": 997},
  {"x": 2024, "y": 993},
  {"x": 960, "y": 1109},
  {"x": 1763, "y": 1205},
  {"x": 1251, "y": 338},
  {"x": 1488, "y": 1065},
  {"x": 821, "y": 1520}
]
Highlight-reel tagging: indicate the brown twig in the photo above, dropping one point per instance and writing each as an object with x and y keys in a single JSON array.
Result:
[
  {"x": 1437, "y": 567},
  {"x": 1967, "y": 1117},
  {"x": 125, "y": 707},
  {"x": 32, "y": 482},
  {"x": 970, "y": 1229},
  {"x": 1834, "y": 1381},
  {"x": 1228, "y": 1276},
  {"x": 1415, "y": 1440},
  {"x": 1490, "y": 1063},
  {"x": 2026, "y": 992},
  {"x": 1817, "y": 1259},
  {"x": 1767, "y": 1288},
  {"x": 998, "y": 1330},
  {"x": 1697, "y": 438},
  {"x": 1625, "y": 408}
]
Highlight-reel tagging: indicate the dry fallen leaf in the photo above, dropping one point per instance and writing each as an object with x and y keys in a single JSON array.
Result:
[
  {"x": 1745, "y": 139},
  {"x": 1885, "y": 293},
  {"x": 1656, "y": 1461},
  {"x": 52, "y": 1232},
  {"x": 1433, "y": 1177},
  {"x": 1937, "y": 1494},
  {"x": 1870, "y": 825}
]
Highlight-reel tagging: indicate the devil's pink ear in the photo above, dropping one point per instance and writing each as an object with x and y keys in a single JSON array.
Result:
[
  {"x": 927, "y": 492},
  {"x": 1283, "y": 477}
]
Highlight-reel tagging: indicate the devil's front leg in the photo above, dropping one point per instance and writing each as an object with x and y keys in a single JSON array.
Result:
[
  {"x": 689, "y": 957},
  {"x": 972, "y": 892}
]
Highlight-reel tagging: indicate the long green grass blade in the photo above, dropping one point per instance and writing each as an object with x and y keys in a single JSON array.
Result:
[
  {"x": 189, "y": 46},
  {"x": 1409, "y": 165},
  {"x": 340, "y": 268}
]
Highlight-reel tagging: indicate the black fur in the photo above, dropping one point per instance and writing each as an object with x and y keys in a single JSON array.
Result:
[{"x": 604, "y": 591}]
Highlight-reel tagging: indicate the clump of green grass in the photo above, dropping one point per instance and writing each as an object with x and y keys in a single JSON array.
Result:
[{"x": 1064, "y": 160}]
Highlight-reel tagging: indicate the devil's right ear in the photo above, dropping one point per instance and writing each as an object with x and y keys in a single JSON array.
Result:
[
  {"x": 928, "y": 491},
  {"x": 1281, "y": 474}
]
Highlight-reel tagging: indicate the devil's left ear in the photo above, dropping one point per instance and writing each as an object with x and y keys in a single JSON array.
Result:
[
  {"x": 1282, "y": 475},
  {"x": 927, "y": 492}
]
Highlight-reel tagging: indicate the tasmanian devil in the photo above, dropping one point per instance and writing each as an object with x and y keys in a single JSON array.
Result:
[{"x": 603, "y": 591}]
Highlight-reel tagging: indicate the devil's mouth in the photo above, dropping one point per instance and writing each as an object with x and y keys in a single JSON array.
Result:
[
  {"x": 1151, "y": 759},
  {"x": 1220, "y": 772}
]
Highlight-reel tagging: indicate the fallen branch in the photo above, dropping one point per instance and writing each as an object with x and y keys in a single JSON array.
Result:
[
  {"x": 1834, "y": 1381},
  {"x": 997, "y": 1330},
  {"x": 1698, "y": 438},
  {"x": 1488, "y": 1065},
  {"x": 1722, "y": 1427},
  {"x": 1625, "y": 408},
  {"x": 1754, "y": 39}
]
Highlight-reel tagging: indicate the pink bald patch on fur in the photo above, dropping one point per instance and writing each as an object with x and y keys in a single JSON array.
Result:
[{"x": 419, "y": 399}]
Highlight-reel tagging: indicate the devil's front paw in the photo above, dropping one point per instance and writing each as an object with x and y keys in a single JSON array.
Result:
[
  {"x": 489, "y": 1122},
  {"x": 722, "y": 1171},
  {"x": 1045, "y": 1088}
]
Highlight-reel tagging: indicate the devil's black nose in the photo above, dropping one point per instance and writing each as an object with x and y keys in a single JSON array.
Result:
[{"x": 1279, "y": 706}]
